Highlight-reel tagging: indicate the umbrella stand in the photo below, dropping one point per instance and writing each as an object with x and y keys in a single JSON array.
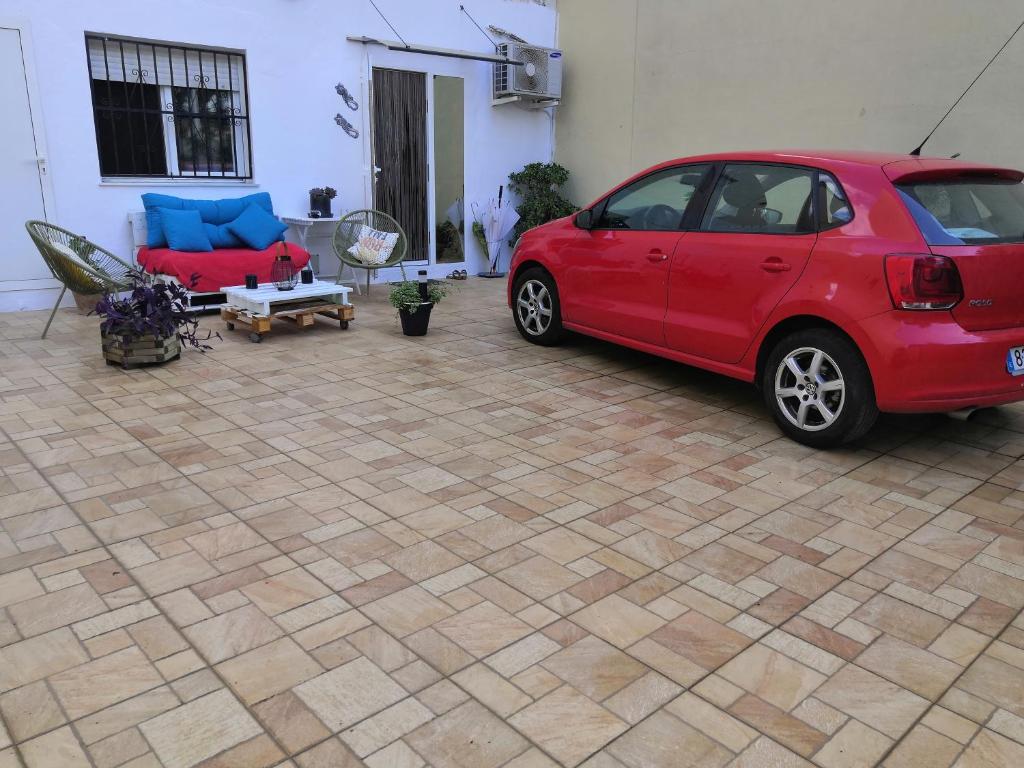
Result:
[
  {"x": 495, "y": 248},
  {"x": 497, "y": 221}
]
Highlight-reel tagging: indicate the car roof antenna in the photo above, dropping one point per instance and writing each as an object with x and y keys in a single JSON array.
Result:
[{"x": 916, "y": 152}]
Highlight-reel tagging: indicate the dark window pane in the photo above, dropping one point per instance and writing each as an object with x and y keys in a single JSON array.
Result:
[
  {"x": 766, "y": 199},
  {"x": 203, "y": 129},
  {"x": 655, "y": 202},
  {"x": 129, "y": 129}
]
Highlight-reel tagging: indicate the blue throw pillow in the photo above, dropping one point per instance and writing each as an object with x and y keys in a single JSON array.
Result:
[
  {"x": 215, "y": 212},
  {"x": 221, "y": 237},
  {"x": 257, "y": 228},
  {"x": 184, "y": 230}
]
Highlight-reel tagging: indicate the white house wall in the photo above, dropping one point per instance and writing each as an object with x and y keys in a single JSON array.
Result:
[{"x": 296, "y": 52}]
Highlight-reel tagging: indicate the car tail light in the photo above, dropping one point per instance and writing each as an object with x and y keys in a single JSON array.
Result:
[{"x": 923, "y": 281}]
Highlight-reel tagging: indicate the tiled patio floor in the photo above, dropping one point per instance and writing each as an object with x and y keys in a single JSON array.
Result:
[{"x": 462, "y": 550}]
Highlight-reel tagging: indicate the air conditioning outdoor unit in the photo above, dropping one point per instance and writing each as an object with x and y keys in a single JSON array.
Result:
[{"x": 537, "y": 80}]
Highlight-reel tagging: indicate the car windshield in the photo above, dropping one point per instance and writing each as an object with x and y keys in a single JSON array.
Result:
[{"x": 967, "y": 211}]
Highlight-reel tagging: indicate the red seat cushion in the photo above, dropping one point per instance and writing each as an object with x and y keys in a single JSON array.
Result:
[{"x": 218, "y": 268}]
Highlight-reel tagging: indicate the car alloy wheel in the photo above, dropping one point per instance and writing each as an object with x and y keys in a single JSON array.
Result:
[
  {"x": 533, "y": 304},
  {"x": 810, "y": 389}
]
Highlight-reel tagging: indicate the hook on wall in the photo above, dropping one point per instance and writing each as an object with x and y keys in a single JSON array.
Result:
[
  {"x": 346, "y": 96},
  {"x": 346, "y": 126}
]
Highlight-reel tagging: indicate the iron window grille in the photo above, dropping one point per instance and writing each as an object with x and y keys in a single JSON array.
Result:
[{"x": 169, "y": 111}]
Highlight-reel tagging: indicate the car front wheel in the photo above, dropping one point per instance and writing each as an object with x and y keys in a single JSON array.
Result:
[
  {"x": 536, "y": 308},
  {"x": 818, "y": 388}
]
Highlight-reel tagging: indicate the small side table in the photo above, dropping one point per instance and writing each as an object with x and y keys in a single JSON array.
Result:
[{"x": 302, "y": 226}]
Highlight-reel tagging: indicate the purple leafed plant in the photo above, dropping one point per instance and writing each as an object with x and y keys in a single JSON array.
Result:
[{"x": 152, "y": 309}]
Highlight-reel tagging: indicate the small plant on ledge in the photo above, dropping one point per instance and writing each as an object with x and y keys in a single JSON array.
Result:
[
  {"x": 320, "y": 200},
  {"x": 149, "y": 324}
]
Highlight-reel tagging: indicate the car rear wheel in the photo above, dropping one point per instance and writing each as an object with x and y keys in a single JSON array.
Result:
[
  {"x": 536, "y": 309},
  {"x": 818, "y": 388}
]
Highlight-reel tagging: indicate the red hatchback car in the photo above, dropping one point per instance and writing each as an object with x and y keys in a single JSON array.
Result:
[{"x": 841, "y": 283}]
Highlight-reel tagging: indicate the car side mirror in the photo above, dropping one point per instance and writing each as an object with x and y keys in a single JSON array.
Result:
[
  {"x": 585, "y": 219},
  {"x": 771, "y": 216}
]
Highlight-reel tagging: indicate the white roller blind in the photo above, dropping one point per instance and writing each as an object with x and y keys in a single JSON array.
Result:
[{"x": 113, "y": 59}]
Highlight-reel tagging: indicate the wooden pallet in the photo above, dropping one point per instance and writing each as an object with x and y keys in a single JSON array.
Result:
[{"x": 301, "y": 313}]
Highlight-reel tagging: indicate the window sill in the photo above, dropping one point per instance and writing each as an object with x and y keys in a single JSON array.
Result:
[{"x": 181, "y": 182}]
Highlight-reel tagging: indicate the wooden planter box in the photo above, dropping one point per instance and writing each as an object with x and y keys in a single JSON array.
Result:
[{"x": 148, "y": 350}]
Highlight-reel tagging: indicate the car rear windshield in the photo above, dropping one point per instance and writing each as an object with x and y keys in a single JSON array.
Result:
[{"x": 967, "y": 211}]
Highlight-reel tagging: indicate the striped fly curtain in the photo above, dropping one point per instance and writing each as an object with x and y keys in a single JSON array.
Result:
[{"x": 400, "y": 151}]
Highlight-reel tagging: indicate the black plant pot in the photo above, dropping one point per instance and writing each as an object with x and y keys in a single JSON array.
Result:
[
  {"x": 321, "y": 203},
  {"x": 415, "y": 323}
]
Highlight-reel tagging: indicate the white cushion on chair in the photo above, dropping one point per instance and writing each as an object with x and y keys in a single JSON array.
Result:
[{"x": 374, "y": 246}]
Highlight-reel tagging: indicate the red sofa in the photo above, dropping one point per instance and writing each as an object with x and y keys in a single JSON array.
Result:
[{"x": 218, "y": 268}]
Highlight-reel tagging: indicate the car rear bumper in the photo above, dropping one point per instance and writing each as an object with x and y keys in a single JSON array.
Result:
[{"x": 925, "y": 362}]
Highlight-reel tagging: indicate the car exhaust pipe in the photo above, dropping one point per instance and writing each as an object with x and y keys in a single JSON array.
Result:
[{"x": 964, "y": 414}]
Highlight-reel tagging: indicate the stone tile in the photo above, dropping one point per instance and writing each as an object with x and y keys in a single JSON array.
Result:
[
  {"x": 872, "y": 700},
  {"x": 98, "y": 684},
  {"x": 39, "y": 657},
  {"x": 700, "y": 639},
  {"x": 990, "y": 750},
  {"x": 56, "y": 749},
  {"x": 347, "y": 694},
  {"x": 772, "y": 676},
  {"x": 56, "y": 609},
  {"x": 268, "y": 670},
  {"x": 231, "y": 633},
  {"x": 407, "y": 611},
  {"x": 917, "y": 670},
  {"x": 854, "y": 746},
  {"x": 285, "y": 591},
  {"x": 618, "y": 621},
  {"x": 30, "y": 711},
  {"x": 568, "y": 725},
  {"x": 539, "y": 577},
  {"x": 663, "y": 739},
  {"x": 483, "y": 629},
  {"x": 193, "y": 732},
  {"x": 467, "y": 737},
  {"x": 594, "y": 667}
]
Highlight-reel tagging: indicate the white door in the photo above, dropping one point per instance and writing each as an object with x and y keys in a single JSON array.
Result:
[{"x": 21, "y": 188}]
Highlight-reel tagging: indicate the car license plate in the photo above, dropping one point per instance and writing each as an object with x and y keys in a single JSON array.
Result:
[{"x": 1015, "y": 361}]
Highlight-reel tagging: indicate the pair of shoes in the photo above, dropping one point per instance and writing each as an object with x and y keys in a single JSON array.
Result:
[{"x": 458, "y": 274}]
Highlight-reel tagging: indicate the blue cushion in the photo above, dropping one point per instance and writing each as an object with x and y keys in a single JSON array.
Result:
[
  {"x": 257, "y": 228},
  {"x": 221, "y": 237},
  {"x": 184, "y": 230},
  {"x": 210, "y": 211}
]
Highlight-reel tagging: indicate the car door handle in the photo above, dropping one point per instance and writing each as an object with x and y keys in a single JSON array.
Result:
[
  {"x": 656, "y": 256},
  {"x": 775, "y": 265}
]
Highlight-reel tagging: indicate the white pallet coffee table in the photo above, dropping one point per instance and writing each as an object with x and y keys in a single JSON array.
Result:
[{"x": 255, "y": 307}]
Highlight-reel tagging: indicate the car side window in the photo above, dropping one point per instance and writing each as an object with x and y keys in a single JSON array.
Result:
[
  {"x": 833, "y": 208},
  {"x": 761, "y": 199},
  {"x": 655, "y": 202}
]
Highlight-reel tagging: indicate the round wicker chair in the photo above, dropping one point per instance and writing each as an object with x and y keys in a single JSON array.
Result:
[
  {"x": 347, "y": 233},
  {"x": 82, "y": 266}
]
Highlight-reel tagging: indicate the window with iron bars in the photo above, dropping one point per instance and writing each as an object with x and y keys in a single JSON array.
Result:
[{"x": 169, "y": 111}]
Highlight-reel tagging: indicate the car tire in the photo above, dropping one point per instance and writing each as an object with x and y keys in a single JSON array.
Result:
[
  {"x": 818, "y": 388},
  {"x": 536, "y": 309}
]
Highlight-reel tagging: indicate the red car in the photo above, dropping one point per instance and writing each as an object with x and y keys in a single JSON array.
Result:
[{"x": 841, "y": 283}]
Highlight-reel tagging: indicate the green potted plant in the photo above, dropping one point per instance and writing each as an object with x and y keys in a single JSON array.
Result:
[
  {"x": 320, "y": 200},
  {"x": 148, "y": 325},
  {"x": 414, "y": 300}
]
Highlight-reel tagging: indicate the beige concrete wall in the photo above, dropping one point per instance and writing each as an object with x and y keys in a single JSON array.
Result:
[{"x": 649, "y": 80}]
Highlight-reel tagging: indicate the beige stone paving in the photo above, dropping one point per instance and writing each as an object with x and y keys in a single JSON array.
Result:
[{"x": 352, "y": 548}]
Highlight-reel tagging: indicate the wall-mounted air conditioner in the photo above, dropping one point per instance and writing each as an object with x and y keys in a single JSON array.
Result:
[{"x": 537, "y": 81}]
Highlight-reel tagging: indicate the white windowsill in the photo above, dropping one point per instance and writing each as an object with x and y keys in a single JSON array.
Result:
[{"x": 185, "y": 182}]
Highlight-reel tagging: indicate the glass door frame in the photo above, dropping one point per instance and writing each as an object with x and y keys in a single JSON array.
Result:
[{"x": 430, "y": 67}]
